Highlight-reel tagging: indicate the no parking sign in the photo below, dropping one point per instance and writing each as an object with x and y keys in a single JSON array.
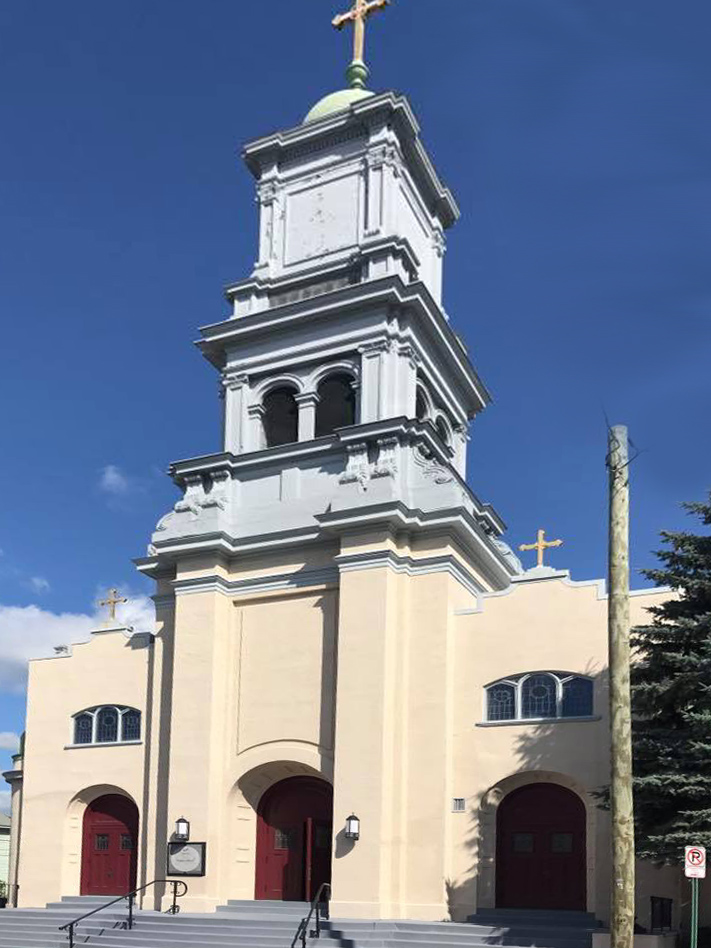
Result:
[{"x": 695, "y": 862}]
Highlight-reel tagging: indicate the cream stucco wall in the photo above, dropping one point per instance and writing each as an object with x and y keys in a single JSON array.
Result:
[
  {"x": 373, "y": 681},
  {"x": 549, "y": 624},
  {"x": 59, "y": 780}
]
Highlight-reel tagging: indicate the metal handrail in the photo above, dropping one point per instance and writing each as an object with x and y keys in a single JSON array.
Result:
[
  {"x": 131, "y": 896},
  {"x": 303, "y": 929}
]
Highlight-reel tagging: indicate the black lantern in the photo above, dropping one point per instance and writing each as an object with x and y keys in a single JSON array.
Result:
[
  {"x": 353, "y": 827},
  {"x": 182, "y": 829}
]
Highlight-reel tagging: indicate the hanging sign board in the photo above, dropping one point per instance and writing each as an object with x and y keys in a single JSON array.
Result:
[{"x": 695, "y": 862}]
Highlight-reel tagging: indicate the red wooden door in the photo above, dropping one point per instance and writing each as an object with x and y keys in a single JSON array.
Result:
[
  {"x": 109, "y": 846},
  {"x": 294, "y": 829},
  {"x": 540, "y": 849}
]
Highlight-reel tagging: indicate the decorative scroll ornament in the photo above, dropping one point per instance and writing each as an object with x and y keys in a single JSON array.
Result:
[{"x": 431, "y": 468}]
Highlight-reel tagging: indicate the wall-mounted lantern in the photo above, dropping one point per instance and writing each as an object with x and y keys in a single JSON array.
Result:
[
  {"x": 353, "y": 827},
  {"x": 182, "y": 829}
]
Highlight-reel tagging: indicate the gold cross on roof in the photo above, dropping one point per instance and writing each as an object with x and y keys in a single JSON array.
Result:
[
  {"x": 112, "y": 600},
  {"x": 541, "y": 545},
  {"x": 358, "y": 15}
]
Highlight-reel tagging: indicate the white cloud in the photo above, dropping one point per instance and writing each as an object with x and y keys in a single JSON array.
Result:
[
  {"x": 39, "y": 584},
  {"x": 30, "y": 632},
  {"x": 113, "y": 481},
  {"x": 5, "y": 802},
  {"x": 9, "y": 741}
]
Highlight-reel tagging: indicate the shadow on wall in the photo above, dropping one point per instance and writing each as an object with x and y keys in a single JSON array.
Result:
[{"x": 552, "y": 751}]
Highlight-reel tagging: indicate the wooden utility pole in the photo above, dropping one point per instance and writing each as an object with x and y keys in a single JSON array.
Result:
[{"x": 623, "y": 852}]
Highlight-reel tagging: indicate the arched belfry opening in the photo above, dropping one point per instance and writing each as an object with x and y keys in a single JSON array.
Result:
[
  {"x": 336, "y": 405},
  {"x": 281, "y": 417}
]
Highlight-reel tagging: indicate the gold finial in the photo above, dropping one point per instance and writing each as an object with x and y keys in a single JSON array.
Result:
[
  {"x": 358, "y": 15},
  {"x": 541, "y": 545},
  {"x": 112, "y": 601}
]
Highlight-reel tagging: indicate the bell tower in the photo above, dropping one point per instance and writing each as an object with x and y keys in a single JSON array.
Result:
[
  {"x": 308, "y": 574},
  {"x": 345, "y": 385}
]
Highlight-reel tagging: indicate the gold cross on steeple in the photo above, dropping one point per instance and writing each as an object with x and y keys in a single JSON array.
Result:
[
  {"x": 362, "y": 9},
  {"x": 112, "y": 601},
  {"x": 541, "y": 545}
]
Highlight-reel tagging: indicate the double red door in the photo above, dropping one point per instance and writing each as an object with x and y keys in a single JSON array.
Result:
[
  {"x": 109, "y": 846},
  {"x": 540, "y": 851},
  {"x": 294, "y": 830}
]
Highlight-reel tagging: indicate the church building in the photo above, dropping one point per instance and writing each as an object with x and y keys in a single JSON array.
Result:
[{"x": 352, "y": 679}]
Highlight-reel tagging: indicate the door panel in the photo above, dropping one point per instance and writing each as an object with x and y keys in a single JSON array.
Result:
[
  {"x": 541, "y": 849},
  {"x": 110, "y": 838},
  {"x": 294, "y": 829}
]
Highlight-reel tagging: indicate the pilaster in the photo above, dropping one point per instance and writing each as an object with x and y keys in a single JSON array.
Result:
[
  {"x": 369, "y": 758},
  {"x": 235, "y": 387},
  {"x": 307, "y": 415}
]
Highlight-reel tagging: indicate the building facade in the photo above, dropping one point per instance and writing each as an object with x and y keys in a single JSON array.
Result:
[{"x": 341, "y": 629}]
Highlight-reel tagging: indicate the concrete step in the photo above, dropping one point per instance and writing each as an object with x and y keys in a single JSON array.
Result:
[
  {"x": 249, "y": 924},
  {"x": 552, "y": 917}
]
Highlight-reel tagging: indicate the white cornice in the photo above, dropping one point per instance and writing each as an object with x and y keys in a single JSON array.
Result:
[
  {"x": 278, "y": 147},
  {"x": 384, "y": 292},
  {"x": 302, "y": 579},
  {"x": 412, "y": 566}
]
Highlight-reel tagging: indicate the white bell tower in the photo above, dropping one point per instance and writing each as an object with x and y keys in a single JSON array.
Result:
[{"x": 348, "y": 395}]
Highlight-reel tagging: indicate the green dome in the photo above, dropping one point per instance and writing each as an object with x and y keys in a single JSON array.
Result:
[{"x": 336, "y": 102}]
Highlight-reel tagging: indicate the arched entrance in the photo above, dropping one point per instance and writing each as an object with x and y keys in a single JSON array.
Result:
[
  {"x": 294, "y": 830},
  {"x": 109, "y": 846},
  {"x": 540, "y": 849}
]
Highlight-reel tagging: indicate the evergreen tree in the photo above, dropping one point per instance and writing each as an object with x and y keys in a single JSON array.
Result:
[{"x": 671, "y": 702}]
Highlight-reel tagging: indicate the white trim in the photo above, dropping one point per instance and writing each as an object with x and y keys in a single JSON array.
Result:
[
  {"x": 103, "y": 744},
  {"x": 585, "y": 719},
  {"x": 412, "y": 567},
  {"x": 284, "y": 380},
  {"x": 564, "y": 577}
]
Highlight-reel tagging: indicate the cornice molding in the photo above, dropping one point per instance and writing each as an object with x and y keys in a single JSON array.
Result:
[{"x": 411, "y": 566}]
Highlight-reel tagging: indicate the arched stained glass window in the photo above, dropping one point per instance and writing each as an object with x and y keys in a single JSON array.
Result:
[
  {"x": 131, "y": 725},
  {"x": 577, "y": 698},
  {"x": 83, "y": 728},
  {"x": 110, "y": 724},
  {"x": 107, "y": 726},
  {"x": 501, "y": 702},
  {"x": 539, "y": 697}
]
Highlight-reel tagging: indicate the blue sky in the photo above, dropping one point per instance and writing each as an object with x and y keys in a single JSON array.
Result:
[{"x": 575, "y": 136}]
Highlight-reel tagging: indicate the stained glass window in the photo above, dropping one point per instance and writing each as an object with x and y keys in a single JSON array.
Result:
[
  {"x": 538, "y": 697},
  {"x": 83, "y": 729},
  {"x": 131, "y": 725},
  {"x": 107, "y": 726},
  {"x": 501, "y": 702},
  {"x": 577, "y": 698}
]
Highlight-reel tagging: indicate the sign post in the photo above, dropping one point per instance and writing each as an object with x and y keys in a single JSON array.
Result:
[{"x": 695, "y": 869}]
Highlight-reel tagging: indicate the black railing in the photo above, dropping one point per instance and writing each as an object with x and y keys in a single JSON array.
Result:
[
  {"x": 319, "y": 910},
  {"x": 178, "y": 893}
]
